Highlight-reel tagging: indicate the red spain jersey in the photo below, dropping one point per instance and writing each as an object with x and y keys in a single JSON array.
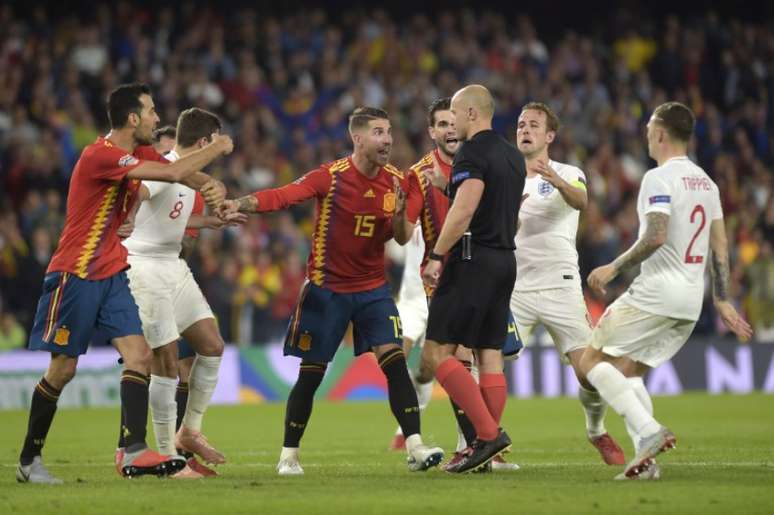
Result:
[
  {"x": 435, "y": 204},
  {"x": 198, "y": 209},
  {"x": 352, "y": 224},
  {"x": 98, "y": 200}
]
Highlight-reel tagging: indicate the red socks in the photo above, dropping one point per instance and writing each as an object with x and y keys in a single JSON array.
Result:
[
  {"x": 464, "y": 391},
  {"x": 495, "y": 392}
]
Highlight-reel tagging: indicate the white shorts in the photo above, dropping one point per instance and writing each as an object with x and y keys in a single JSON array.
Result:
[
  {"x": 169, "y": 299},
  {"x": 562, "y": 311},
  {"x": 625, "y": 330},
  {"x": 413, "y": 316}
]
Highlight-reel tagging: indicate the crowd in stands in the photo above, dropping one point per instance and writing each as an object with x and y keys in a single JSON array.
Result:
[{"x": 285, "y": 85}]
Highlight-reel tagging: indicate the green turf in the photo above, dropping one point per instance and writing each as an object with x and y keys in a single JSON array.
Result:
[{"x": 724, "y": 464}]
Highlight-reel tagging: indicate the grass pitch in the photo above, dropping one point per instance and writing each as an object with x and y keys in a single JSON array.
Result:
[{"x": 724, "y": 464}]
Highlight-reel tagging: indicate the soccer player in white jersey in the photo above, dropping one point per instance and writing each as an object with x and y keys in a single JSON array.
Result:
[
  {"x": 171, "y": 303},
  {"x": 548, "y": 286},
  {"x": 681, "y": 221}
]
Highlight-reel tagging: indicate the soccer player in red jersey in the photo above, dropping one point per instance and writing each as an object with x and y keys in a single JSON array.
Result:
[
  {"x": 361, "y": 204},
  {"x": 86, "y": 292}
]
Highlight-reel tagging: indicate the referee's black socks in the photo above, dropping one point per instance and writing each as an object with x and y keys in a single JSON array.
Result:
[
  {"x": 299, "y": 406},
  {"x": 42, "y": 411},
  {"x": 403, "y": 397}
]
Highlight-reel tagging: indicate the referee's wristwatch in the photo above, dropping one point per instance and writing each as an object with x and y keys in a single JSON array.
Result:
[{"x": 436, "y": 257}]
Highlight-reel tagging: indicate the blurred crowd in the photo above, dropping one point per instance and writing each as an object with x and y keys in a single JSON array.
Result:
[{"x": 284, "y": 86}]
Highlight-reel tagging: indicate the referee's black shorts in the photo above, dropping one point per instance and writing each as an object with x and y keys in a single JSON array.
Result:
[{"x": 470, "y": 306}]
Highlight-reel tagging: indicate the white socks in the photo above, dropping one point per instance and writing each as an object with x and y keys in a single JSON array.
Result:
[
  {"x": 619, "y": 394},
  {"x": 642, "y": 394},
  {"x": 412, "y": 442},
  {"x": 201, "y": 385},
  {"x": 163, "y": 412},
  {"x": 289, "y": 452},
  {"x": 594, "y": 407}
]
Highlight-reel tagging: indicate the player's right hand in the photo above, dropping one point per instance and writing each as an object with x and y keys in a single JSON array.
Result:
[
  {"x": 436, "y": 176},
  {"x": 733, "y": 320},
  {"x": 224, "y": 141}
]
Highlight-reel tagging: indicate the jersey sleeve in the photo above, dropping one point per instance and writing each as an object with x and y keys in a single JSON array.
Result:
[
  {"x": 111, "y": 163},
  {"x": 466, "y": 165},
  {"x": 313, "y": 184},
  {"x": 198, "y": 209},
  {"x": 657, "y": 195},
  {"x": 575, "y": 178},
  {"x": 155, "y": 187}
]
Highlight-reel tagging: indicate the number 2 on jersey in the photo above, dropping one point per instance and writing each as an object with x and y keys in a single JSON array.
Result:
[{"x": 696, "y": 259}]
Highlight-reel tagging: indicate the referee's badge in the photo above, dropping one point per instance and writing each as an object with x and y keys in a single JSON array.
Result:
[{"x": 545, "y": 188}]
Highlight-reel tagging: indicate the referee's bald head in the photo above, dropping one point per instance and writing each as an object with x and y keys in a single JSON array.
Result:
[{"x": 473, "y": 104}]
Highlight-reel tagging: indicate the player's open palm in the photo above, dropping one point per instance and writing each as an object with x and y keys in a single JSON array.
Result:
[
  {"x": 733, "y": 320},
  {"x": 400, "y": 196},
  {"x": 435, "y": 175},
  {"x": 548, "y": 173}
]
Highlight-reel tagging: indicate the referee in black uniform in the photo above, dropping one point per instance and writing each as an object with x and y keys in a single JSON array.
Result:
[{"x": 471, "y": 302}]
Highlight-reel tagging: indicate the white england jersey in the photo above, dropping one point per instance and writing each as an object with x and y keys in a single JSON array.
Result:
[
  {"x": 161, "y": 220},
  {"x": 411, "y": 288},
  {"x": 546, "y": 254},
  {"x": 671, "y": 281}
]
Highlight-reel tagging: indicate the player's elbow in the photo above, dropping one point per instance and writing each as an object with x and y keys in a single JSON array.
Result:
[{"x": 658, "y": 239}]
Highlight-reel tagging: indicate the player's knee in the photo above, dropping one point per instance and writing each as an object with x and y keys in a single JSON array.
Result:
[
  {"x": 139, "y": 358},
  {"x": 212, "y": 347},
  {"x": 61, "y": 372}
]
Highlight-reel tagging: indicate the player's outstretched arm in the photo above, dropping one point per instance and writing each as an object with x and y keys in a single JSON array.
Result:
[
  {"x": 215, "y": 222},
  {"x": 313, "y": 184},
  {"x": 185, "y": 167},
  {"x": 402, "y": 229},
  {"x": 655, "y": 235},
  {"x": 720, "y": 274}
]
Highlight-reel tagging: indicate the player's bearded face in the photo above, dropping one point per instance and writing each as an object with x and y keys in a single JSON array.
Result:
[
  {"x": 531, "y": 132},
  {"x": 377, "y": 142},
  {"x": 148, "y": 121},
  {"x": 444, "y": 133}
]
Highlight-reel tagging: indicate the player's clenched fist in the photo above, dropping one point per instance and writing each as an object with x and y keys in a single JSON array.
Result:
[
  {"x": 214, "y": 192},
  {"x": 224, "y": 141}
]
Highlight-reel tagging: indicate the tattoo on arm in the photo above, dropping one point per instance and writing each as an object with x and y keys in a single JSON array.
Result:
[
  {"x": 655, "y": 236},
  {"x": 720, "y": 274},
  {"x": 248, "y": 204}
]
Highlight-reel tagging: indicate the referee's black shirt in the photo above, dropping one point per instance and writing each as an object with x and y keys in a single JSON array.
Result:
[{"x": 489, "y": 157}]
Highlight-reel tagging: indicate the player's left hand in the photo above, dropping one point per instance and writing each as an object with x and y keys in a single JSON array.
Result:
[
  {"x": 548, "y": 173},
  {"x": 227, "y": 208},
  {"x": 126, "y": 228},
  {"x": 734, "y": 321},
  {"x": 214, "y": 192},
  {"x": 432, "y": 272},
  {"x": 400, "y": 196},
  {"x": 600, "y": 276}
]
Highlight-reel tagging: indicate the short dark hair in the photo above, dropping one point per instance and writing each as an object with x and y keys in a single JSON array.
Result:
[
  {"x": 552, "y": 121},
  {"x": 124, "y": 100},
  {"x": 439, "y": 104},
  {"x": 168, "y": 131},
  {"x": 677, "y": 119},
  {"x": 362, "y": 115},
  {"x": 194, "y": 124}
]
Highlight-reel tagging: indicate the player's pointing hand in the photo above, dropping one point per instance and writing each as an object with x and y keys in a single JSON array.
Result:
[{"x": 436, "y": 176}]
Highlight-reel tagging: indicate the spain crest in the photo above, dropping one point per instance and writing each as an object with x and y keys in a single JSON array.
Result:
[{"x": 389, "y": 202}]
